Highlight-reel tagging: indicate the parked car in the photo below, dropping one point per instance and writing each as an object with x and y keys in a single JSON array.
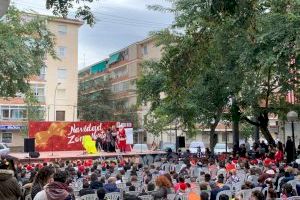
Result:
[
  {"x": 195, "y": 145},
  {"x": 168, "y": 145},
  {"x": 221, "y": 148},
  {"x": 140, "y": 147},
  {"x": 4, "y": 149}
]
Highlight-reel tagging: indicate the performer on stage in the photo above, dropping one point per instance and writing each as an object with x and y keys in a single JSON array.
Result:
[
  {"x": 114, "y": 135},
  {"x": 98, "y": 144},
  {"x": 122, "y": 139}
]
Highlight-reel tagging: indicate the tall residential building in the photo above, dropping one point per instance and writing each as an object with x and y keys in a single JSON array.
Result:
[
  {"x": 121, "y": 70},
  {"x": 55, "y": 87}
]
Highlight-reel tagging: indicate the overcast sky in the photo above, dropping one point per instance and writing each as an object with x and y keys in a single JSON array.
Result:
[{"x": 119, "y": 23}]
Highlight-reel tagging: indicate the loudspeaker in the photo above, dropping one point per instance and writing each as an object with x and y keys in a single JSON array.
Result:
[
  {"x": 29, "y": 145},
  {"x": 34, "y": 154},
  {"x": 180, "y": 142}
]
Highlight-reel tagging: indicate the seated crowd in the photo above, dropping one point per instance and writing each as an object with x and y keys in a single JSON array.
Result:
[{"x": 236, "y": 176}]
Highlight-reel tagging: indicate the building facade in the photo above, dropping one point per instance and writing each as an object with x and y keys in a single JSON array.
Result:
[
  {"x": 55, "y": 88},
  {"x": 121, "y": 71}
]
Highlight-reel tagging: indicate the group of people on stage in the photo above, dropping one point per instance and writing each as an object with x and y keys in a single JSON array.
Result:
[{"x": 112, "y": 139}]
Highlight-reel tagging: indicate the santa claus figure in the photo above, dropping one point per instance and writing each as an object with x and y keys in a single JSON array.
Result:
[{"x": 122, "y": 139}]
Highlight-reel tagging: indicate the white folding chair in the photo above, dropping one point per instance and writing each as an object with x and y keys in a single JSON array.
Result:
[
  {"x": 181, "y": 197},
  {"x": 89, "y": 197},
  {"x": 226, "y": 192},
  {"x": 171, "y": 196},
  {"x": 246, "y": 193},
  {"x": 146, "y": 197},
  {"x": 113, "y": 196}
]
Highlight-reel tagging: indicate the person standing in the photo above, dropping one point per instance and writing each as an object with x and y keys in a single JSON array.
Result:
[
  {"x": 122, "y": 139},
  {"x": 108, "y": 139},
  {"x": 279, "y": 153},
  {"x": 289, "y": 149},
  {"x": 114, "y": 138}
]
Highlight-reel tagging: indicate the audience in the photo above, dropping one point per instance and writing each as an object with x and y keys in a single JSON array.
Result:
[{"x": 196, "y": 178}]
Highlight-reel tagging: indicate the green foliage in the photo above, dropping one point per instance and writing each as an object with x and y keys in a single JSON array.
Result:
[
  {"x": 246, "y": 130},
  {"x": 62, "y": 7},
  {"x": 23, "y": 47},
  {"x": 221, "y": 48},
  {"x": 35, "y": 112},
  {"x": 96, "y": 106}
]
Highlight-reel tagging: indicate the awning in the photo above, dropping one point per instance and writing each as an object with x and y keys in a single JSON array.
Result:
[
  {"x": 114, "y": 58},
  {"x": 98, "y": 67}
]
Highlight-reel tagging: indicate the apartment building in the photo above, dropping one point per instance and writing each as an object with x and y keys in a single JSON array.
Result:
[
  {"x": 55, "y": 87},
  {"x": 121, "y": 70}
]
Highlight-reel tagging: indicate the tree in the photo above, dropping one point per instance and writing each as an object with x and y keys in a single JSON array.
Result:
[
  {"x": 62, "y": 7},
  {"x": 216, "y": 49},
  {"x": 96, "y": 106},
  {"x": 23, "y": 47},
  {"x": 34, "y": 112},
  {"x": 273, "y": 60}
]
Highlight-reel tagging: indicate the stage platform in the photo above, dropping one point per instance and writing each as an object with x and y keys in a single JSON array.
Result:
[{"x": 74, "y": 155}]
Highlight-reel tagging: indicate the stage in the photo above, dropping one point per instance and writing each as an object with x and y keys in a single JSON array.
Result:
[{"x": 74, "y": 155}]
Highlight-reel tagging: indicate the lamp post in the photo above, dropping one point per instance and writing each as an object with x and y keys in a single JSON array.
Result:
[
  {"x": 291, "y": 117},
  {"x": 226, "y": 123},
  {"x": 54, "y": 101}
]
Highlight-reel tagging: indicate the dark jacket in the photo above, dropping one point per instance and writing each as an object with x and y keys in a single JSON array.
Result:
[
  {"x": 162, "y": 192},
  {"x": 10, "y": 189},
  {"x": 95, "y": 185},
  {"x": 214, "y": 192},
  {"x": 110, "y": 187},
  {"x": 86, "y": 191}
]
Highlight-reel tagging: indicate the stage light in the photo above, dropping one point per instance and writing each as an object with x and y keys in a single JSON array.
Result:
[{"x": 4, "y": 4}]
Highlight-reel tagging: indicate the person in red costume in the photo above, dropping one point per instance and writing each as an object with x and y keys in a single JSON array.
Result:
[{"x": 122, "y": 139}]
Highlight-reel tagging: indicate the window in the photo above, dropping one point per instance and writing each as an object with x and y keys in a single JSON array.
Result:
[
  {"x": 5, "y": 112},
  {"x": 6, "y": 137},
  {"x": 61, "y": 93},
  {"x": 39, "y": 92},
  {"x": 125, "y": 86},
  {"x": 120, "y": 72},
  {"x": 62, "y": 52},
  {"x": 145, "y": 50},
  {"x": 18, "y": 112},
  {"x": 13, "y": 112},
  {"x": 62, "y": 29},
  {"x": 62, "y": 73},
  {"x": 42, "y": 75},
  {"x": 60, "y": 115}
]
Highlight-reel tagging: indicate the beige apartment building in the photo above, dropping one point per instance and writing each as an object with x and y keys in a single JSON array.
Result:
[
  {"x": 55, "y": 87},
  {"x": 121, "y": 70}
]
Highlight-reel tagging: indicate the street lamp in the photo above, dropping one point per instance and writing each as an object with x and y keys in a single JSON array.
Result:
[
  {"x": 291, "y": 117},
  {"x": 226, "y": 123},
  {"x": 4, "y": 4},
  {"x": 58, "y": 84}
]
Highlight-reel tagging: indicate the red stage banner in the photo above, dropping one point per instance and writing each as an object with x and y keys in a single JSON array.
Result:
[{"x": 64, "y": 136}]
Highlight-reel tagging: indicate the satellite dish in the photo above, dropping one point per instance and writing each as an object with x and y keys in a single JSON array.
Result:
[{"x": 3, "y": 6}]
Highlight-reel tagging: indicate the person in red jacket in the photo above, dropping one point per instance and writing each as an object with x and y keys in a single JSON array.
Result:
[
  {"x": 279, "y": 153},
  {"x": 122, "y": 139}
]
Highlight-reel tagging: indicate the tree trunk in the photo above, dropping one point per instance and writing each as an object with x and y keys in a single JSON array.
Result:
[
  {"x": 263, "y": 120},
  {"x": 213, "y": 139}
]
